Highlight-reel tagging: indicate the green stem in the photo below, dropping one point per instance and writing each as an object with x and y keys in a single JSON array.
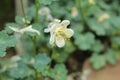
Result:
[
  {"x": 37, "y": 8},
  {"x": 78, "y": 3},
  {"x": 34, "y": 44},
  {"x": 36, "y": 75},
  {"x": 21, "y": 1}
]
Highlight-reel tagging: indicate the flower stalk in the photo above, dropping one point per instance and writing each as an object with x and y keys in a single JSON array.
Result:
[
  {"x": 78, "y": 3},
  {"x": 23, "y": 11},
  {"x": 37, "y": 8}
]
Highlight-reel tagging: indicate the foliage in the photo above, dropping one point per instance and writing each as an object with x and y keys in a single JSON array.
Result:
[
  {"x": 59, "y": 72},
  {"x": 41, "y": 62},
  {"x": 96, "y": 30},
  {"x": 98, "y": 61},
  {"x": 5, "y": 42}
]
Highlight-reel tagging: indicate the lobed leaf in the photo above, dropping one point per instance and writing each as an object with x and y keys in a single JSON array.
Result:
[{"x": 6, "y": 41}]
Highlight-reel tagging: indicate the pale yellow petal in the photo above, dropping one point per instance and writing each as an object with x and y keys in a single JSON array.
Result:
[
  {"x": 29, "y": 29},
  {"x": 57, "y": 20},
  {"x": 26, "y": 29},
  {"x": 69, "y": 33},
  {"x": 46, "y": 30},
  {"x": 14, "y": 29},
  {"x": 52, "y": 39},
  {"x": 65, "y": 23},
  {"x": 34, "y": 31},
  {"x": 60, "y": 41}
]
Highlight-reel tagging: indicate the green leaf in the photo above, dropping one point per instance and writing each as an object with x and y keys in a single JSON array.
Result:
[
  {"x": 111, "y": 56},
  {"x": 115, "y": 40},
  {"x": 5, "y": 64},
  {"x": 61, "y": 55},
  {"x": 103, "y": 5},
  {"x": 115, "y": 20},
  {"x": 8, "y": 30},
  {"x": 30, "y": 78},
  {"x": 21, "y": 71},
  {"x": 92, "y": 10},
  {"x": 41, "y": 62},
  {"x": 5, "y": 42},
  {"x": 59, "y": 72},
  {"x": 98, "y": 61},
  {"x": 46, "y": 2},
  {"x": 69, "y": 48},
  {"x": 26, "y": 58},
  {"x": 31, "y": 11},
  {"x": 97, "y": 46},
  {"x": 78, "y": 27},
  {"x": 5, "y": 77},
  {"x": 84, "y": 41},
  {"x": 19, "y": 20},
  {"x": 98, "y": 28}
]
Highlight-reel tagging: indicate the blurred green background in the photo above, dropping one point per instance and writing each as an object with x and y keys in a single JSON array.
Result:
[{"x": 96, "y": 24}]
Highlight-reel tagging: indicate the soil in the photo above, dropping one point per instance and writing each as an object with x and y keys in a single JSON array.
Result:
[{"x": 109, "y": 72}]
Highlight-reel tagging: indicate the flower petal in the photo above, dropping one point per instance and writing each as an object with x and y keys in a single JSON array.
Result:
[
  {"x": 52, "y": 38},
  {"x": 69, "y": 33},
  {"x": 60, "y": 41},
  {"x": 14, "y": 29},
  {"x": 26, "y": 29},
  {"x": 65, "y": 23},
  {"x": 57, "y": 21},
  {"x": 35, "y": 31},
  {"x": 54, "y": 23},
  {"x": 46, "y": 30},
  {"x": 29, "y": 29}
]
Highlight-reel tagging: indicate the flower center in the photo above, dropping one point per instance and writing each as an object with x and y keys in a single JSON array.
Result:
[{"x": 61, "y": 32}]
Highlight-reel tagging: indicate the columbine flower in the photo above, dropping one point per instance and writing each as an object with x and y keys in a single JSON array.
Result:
[
  {"x": 103, "y": 17},
  {"x": 92, "y": 2},
  {"x": 74, "y": 12},
  {"x": 46, "y": 12},
  {"x": 27, "y": 29},
  {"x": 59, "y": 32}
]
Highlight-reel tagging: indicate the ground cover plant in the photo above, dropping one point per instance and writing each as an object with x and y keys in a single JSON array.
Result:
[{"x": 50, "y": 31}]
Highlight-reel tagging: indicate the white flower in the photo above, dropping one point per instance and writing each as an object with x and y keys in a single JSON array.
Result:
[
  {"x": 74, "y": 12},
  {"x": 92, "y": 2},
  {"x": 46, "y": 12},
  {"x": 103, "y": 17},
  {"x": 59, "y": 32},
  {"x": 23, "y": 30}
]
